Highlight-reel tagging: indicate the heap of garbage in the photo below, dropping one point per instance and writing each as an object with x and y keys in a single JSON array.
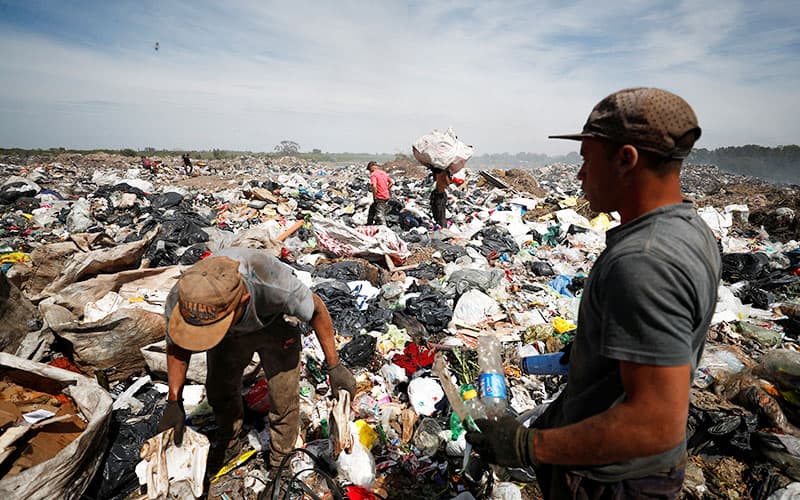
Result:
[{"x": 90, "y": 245}]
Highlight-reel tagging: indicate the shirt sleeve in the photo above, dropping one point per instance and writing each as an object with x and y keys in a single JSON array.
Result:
[{"x": 647, "y": 312}]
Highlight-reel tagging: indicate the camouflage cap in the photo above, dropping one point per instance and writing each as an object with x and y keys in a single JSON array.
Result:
[{"x": 650, "y": 119}]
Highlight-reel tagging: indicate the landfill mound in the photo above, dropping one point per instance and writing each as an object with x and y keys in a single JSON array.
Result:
[{"x": 90, "y": 245}]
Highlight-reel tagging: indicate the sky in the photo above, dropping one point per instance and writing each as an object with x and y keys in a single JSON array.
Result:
[{"x": 359, "y": 76}]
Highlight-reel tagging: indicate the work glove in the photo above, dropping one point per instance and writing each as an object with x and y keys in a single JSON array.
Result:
[
  {"x": 503, "y": 442},
  {"x": 341, "y": 378},
  {"x": 174, "y": 417}
]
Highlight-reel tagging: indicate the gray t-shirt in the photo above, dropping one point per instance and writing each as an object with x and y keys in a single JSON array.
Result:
[
  {"x": 273, "y": 287},
  {"x": 649, "y": 299}
]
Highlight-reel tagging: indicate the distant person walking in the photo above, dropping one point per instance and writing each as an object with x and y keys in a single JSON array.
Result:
[
  {"x": 442, "y": 179},
  {"x": 187, "y": 164},
  {"x": 381, "y": 184}
]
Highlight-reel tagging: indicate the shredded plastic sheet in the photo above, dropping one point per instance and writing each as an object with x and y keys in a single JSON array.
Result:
[{"x": 344, "y": 241}]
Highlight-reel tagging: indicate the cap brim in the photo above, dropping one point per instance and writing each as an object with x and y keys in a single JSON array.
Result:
[
  {"x": 572, "y": 137},
  {"x": 197, "y": 338}
]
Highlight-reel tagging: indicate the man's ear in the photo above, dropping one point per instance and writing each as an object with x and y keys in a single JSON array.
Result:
[{"x": 628, "y": 158}]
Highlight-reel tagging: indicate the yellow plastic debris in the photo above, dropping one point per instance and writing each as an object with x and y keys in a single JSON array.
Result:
[
  {"x": 568, "y": 202},
  {"x": 366, "y": 434},
  {"x": 601, "y": 223},
  {"x": 236, "y": 462},
  {"x": 562, "y": 326},
  {"x": 394, "y": 339},
  {"x": 14, "y": 257}
]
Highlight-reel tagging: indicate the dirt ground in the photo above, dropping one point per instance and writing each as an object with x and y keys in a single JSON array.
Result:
[
  {"x": 407, "y": 167},
  {"x": 521, "y": 180}
]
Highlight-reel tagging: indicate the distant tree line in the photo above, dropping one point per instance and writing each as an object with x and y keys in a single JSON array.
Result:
[
  {"x": 777, "y": 164},
  {"x": 521, "y": 160}
]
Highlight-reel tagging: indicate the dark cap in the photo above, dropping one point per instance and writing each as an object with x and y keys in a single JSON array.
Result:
[
  {"x": 650, "y": 119},
  {"x": 208, "y": 294}
]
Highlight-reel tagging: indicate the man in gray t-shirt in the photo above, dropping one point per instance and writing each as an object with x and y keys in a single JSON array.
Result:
[
  {"x": 232, "y": 305},
  {"x": 619, "y": 427}
]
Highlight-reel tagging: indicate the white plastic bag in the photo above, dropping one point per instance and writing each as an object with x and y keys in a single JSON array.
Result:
[
  {"x": 358, "y": 466},
  {"x": 442, "y": 150},
  {"x": 475, "y": 307},
  {"x": 423, "y": 394}
]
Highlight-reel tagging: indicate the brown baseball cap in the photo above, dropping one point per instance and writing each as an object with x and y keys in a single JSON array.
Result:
[
  {"x": 650, "y": 119},
  {"x": 208, "y": 294}
]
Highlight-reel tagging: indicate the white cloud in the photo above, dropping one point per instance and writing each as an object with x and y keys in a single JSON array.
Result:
[{"x": 354, "y": 76}]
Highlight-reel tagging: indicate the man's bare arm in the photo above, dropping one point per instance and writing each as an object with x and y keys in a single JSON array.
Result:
[
  {"x": 651, "y": 420},
  {"x": 323, "y": 327},
  {"x": 177, "y": 364}
]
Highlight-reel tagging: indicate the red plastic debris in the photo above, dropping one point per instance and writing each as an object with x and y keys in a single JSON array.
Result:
[
  {"x": 354, "y": 492},
  {"x": 65, "y": 364},
  {"x": 414, "y": 357},
  {"x": 257, "y": 397}
]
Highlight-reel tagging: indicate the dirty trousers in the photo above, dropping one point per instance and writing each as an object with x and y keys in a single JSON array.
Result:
[
  {"x": 377, "y": 212},
  {"x": 278, "y": 347},
  {"x": 439, "y": 207}
]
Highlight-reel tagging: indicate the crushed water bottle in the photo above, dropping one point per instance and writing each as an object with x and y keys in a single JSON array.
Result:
[{"x": 491, "y": 381}]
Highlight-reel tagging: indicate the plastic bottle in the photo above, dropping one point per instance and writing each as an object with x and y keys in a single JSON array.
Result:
[
  {"x": 491, "y": 381},
  {"x": 472, "y": 403}
]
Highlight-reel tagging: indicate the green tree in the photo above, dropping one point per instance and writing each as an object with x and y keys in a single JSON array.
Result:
[{"x": 287, "y": 147}]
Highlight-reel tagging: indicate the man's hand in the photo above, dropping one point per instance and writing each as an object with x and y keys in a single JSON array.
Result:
[
  {"x": 174, "y": 416},
  {"x": 341, "y": 378},
  {"x": 503, "y": 442}
]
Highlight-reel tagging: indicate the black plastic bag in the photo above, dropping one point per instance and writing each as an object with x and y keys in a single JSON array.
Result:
[
  {"x": 162, "y": 253},
  {"x": 166, "y": 200},
  {"x": 449, "y": 252},
  {"x": 193, "y": 254},
  {"x": 431, "y": 309},
  {"x": 348, "y": 320},
  {"x": 377, "y": 318},
  {"x": 343, "y": 271},
  {"x": 14, "y": 191},
  {"x": 494, "y": 240},
  {"x": 184, "y": 232},
  {"x": 428, "y": 271},
  {"x": 757, "y": 297},
  {"x": 540, "y": 268},
  {"x": 744, "y": 266},
  {"x": 128, "y": 431},
  {"x": 359, "y": 351}
]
